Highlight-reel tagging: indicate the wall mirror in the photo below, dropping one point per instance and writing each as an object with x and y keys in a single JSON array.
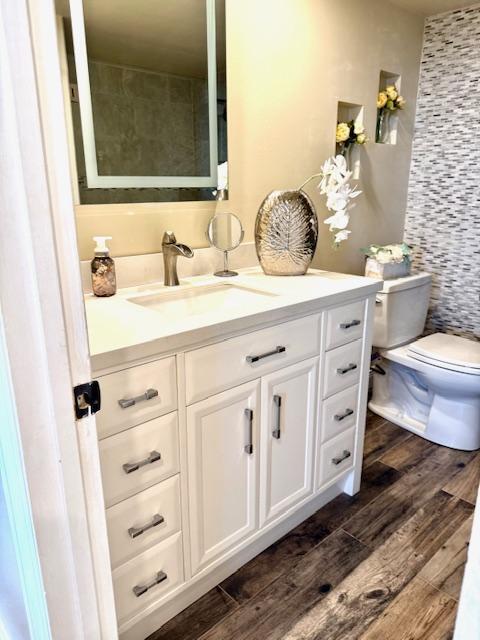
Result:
[{"x": 146, "y": 86}]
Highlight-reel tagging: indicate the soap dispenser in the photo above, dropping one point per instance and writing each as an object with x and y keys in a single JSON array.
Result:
[{"x": 104, "y": 282}]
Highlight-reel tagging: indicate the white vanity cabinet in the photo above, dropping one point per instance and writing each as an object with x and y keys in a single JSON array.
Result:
[
  {"x": 222, "y": 450},
  {"x": 213, "y": 451},
  {"x": 289, "y": 398}
]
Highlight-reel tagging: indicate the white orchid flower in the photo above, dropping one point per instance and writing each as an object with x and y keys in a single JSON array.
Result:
[
  {"x": 336, "y": 201},
  {"x": 340, "y": 163},
  {"x": 341, "y": 235},
  {"x": 335, "y": 185},
  {"x": 338, "y": 221}
]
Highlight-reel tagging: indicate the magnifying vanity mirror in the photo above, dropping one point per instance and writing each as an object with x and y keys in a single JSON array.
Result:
[
  {"x": 225, "y": 233},
  {"x": 145, "y": 92}
]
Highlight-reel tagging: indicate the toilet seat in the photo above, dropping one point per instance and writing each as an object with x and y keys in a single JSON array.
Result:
[{"x": 448, "y": 352}]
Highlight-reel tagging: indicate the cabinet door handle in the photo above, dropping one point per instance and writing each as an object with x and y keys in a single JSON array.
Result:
[
  {"x": 343, "y": 370},
  {"x": 140, "y": 589},
  {"x": 252, "y": 359},
  {"x": 342, "y": 416},
  {"x": 249, "y": 446},
  {"x": 278, "y": 403},
  {"x": 128, "y": 467},
  {"x": 129, "y": 402},
  {"x": 134, "y": 532},
  {"x": 346, "y": 454},
  {"x": 349, "y": 325}
]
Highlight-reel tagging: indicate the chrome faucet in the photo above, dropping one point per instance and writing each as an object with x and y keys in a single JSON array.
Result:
[{"x": 171, "y": 250}]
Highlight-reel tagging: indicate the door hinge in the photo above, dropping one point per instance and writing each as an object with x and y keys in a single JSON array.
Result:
[{"x": 87, "y": 398}]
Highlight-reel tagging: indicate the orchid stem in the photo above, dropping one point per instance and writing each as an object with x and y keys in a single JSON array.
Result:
[{"x": 315, "y": 175}]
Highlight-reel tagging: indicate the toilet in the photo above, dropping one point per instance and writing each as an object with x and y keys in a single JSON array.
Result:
[{"x": 429, "y": 385}]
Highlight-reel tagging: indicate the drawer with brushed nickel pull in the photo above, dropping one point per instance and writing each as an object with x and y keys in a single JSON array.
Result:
[
  {"x": 224, "y": 365},
  {"x": 342, "y": 368},
  {"x": 336, "y": 457},
  {"x": 136, "y": 394},
  {"x": 344, "y": 324},
  {"x": 148, "y": 577},
  {"x": 139, "y": 457},
  {"x": 143, "y": 520},
  {"x": 339, "y": 412}
]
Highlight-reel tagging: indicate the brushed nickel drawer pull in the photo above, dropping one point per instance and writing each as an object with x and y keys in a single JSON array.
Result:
[
  {"x": 351, "y": 367},
  {"x": 140, "y": 589},
  {"x": 278, "y": 403},
  {"x": 129, "y": 402},
  {"x": 249, "y": 446},
  {"x": 128, "y": 467},
  {"x": 346, "y": 454},
  {"x": 342, "y": 416},
  {"x": 252, "y": 359},
  {"x": 349, "y": 325},
  {"x": 134, "y": 532}
]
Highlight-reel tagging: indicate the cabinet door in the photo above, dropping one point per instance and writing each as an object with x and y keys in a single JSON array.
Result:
[
  {"x": 223, "y": 439},
  {"x": 288, "y": 419}
]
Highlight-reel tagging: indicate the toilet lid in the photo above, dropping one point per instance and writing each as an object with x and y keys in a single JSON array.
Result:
[{"x": 444, "y": 350}]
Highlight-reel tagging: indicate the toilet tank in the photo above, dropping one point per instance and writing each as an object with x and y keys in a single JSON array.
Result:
[{"x": 401, "y": 310}]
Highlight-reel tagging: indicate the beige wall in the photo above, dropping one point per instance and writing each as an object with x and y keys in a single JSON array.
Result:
[{"x": 289, "y": 62}]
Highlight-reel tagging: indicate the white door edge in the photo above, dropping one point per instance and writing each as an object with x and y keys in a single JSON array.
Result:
[{"x": 45, "y": 330}]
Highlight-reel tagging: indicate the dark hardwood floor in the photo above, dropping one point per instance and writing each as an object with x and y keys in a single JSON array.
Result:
[{"x": 386, "y": 564}]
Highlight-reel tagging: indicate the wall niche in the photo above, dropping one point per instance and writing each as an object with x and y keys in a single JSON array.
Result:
[
  {"x": 387, "y": 123},
  {"x": 350, "y": 112}
]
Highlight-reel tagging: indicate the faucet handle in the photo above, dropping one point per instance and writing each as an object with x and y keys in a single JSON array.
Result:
[{"x": 169, "y": 238}]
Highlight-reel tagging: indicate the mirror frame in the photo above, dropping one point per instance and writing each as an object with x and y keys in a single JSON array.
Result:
[
  {"x": 210, "y": 226},
  {"x": 86, "y": 114}
]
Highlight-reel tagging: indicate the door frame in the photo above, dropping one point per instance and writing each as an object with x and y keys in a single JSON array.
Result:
[{"x": 46, "y": 340}]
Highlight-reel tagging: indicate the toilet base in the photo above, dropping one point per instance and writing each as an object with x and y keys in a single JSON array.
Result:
[
  {"x": 399, "y": 418},
  {"x": 403, "y": 397}
]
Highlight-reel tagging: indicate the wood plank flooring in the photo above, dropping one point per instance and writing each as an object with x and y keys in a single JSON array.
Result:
[{"x": 384, "y": 564}]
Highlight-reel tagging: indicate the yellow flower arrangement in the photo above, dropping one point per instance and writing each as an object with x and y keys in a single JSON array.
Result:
[
  {"x": 343, "y": 132},
  {"x": 348, "y": 133},
  {"x": 391, "y": 92},
  {"x": 381, "y": 99},
  {"x": 388, "y": 100}
]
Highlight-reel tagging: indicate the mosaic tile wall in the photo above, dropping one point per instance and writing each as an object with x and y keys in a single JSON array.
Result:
[{"x": 443, "y": 210}]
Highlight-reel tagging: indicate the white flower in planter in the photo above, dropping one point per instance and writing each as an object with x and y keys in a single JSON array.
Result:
[{"x": 395, "y": 255}]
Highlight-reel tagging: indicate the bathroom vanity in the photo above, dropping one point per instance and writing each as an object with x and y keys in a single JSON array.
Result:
[{"x": 231, "y": 411}]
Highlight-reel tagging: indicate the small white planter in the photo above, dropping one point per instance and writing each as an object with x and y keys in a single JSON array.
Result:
[{"x": 374, "y": 269}]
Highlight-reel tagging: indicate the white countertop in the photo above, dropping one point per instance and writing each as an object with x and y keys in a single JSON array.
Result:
[{"x": 121, "y": 331}]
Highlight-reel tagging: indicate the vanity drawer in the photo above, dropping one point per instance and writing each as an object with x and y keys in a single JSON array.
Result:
[
  {"x": 339, "y": 412},
  {"x": 345, "y": 324},
  {"x": 221, "y": 366},
  {"x": 135, "y": 395},
  {"x": 140, "y": 522},
  {"x": 342, "y": 368},
  {"x": 139, "y": 457},
  {"x": 152, "y": 575},
  {"x": 336, "y": 456}
]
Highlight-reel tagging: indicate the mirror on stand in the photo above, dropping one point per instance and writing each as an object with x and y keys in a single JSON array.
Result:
[{"x": 225, "y": 233}]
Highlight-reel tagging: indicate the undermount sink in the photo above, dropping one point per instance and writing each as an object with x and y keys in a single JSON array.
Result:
[{"x": 202, "y": 299}]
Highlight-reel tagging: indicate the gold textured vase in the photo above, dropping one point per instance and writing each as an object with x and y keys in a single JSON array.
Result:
[{"x": 286, "y": 232}]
